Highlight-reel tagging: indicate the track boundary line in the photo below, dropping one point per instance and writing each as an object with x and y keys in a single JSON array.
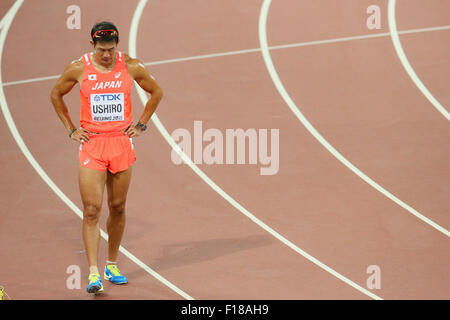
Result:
[
  {"x": 4, "y": 25},
  {"x": 246, "y": 51},
  {"x": 291, "y": 104},
  {"x": 405, "y": 62}
]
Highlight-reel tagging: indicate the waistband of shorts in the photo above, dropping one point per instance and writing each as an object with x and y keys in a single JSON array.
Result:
[{"x": 106, "y": 134}]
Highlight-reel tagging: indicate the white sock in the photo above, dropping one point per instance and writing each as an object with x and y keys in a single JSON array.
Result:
[{"x": 110, "y": 262}]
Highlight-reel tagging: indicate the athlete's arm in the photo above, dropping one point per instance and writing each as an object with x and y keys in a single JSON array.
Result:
[
  {"x": 139, "y": 73},
  {"x": 64, "y": 84}
]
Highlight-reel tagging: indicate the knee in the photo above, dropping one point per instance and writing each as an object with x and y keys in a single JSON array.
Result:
[
  {"x": 92, "y": 212},
  {"x": 116, "y": 207}
]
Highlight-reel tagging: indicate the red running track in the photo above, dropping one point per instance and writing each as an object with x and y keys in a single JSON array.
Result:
[{"x": 355, "y": 93}]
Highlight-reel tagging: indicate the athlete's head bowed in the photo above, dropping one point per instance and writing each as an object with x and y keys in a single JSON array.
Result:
[{"x": 104, "y": 39}]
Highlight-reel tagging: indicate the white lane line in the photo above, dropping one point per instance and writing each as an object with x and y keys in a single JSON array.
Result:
[
  {"x": 440, "y": 28},
  {"x": 245, "y": 51},
  {"x": 203, "y": 56},
  {"x": 279, "y": 85},
  {"x": 214, "y": 186},
  {"x": 5, "y": 23},
  {"x": 404, "y": 60},
  {"x": 11, "y": 83},
  {"x": 353, "y": 38}
]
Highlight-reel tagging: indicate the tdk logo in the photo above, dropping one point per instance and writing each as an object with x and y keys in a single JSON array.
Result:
[{"x": 108, "y": 97}]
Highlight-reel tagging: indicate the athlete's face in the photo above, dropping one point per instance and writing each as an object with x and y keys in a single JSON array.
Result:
[{"x": 104, "y": 52}]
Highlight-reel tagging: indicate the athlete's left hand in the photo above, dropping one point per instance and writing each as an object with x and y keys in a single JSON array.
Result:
[{"x": 133, "y": 131}]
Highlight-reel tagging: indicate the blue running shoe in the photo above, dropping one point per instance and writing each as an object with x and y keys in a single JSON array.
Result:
[
  {"x": 113, "y": 274},
  {"x": 95, "y": 283}
]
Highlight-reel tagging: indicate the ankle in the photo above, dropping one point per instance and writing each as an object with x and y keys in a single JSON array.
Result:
[{"x": 93, "y": 270}]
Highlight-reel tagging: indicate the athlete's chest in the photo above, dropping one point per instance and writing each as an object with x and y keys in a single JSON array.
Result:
[{"x": 116, "y": 80}]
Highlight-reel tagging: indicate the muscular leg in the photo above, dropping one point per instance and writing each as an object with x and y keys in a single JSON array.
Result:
[
  {"x": 92, "y": 184},
  {"x": 117, "y": 186}
]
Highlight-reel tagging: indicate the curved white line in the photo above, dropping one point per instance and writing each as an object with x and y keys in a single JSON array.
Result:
[
  {"x": 5, "y": 24},
  {"x": 215, "y": 187},
  {"x": 279, "y": 85},
  {"x": 404, "y": 60}
]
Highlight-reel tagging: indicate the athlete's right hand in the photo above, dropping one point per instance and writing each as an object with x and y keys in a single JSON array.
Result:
[{"x": 80, "y": 135}]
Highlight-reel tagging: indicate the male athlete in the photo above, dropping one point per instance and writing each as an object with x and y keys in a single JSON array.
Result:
[{"x": 106, "y": 151}]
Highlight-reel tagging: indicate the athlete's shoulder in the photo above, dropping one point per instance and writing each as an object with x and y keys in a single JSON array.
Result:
[
  {"x": 133, "y": 62},
  {"x": 74, "y": 69},
  {"x": 136, "y": 69},
  {"x": 75, "y": 65}
]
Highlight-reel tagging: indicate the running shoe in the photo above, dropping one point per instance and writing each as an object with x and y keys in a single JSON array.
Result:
[
  {"x": 112, "y": 273},
  {"x": 95, "y": 283}
]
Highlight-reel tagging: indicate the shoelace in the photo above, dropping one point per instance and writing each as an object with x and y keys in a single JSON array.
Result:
[
  {"x": 94, "y": 276},
  {"x": 114, "y": 270}
]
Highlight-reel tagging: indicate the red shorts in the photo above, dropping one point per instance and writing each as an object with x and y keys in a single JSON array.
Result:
[{"x": 112, "y": 150}]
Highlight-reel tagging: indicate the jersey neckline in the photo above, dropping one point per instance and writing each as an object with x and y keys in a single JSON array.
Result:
[{"x": 93, "y": 66}]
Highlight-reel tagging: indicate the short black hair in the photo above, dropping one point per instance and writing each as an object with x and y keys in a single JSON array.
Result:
[{"x": 104, "y": 25}]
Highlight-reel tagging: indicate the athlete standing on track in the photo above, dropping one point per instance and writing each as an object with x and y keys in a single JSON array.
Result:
[{"x": 106, "y": 151}]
